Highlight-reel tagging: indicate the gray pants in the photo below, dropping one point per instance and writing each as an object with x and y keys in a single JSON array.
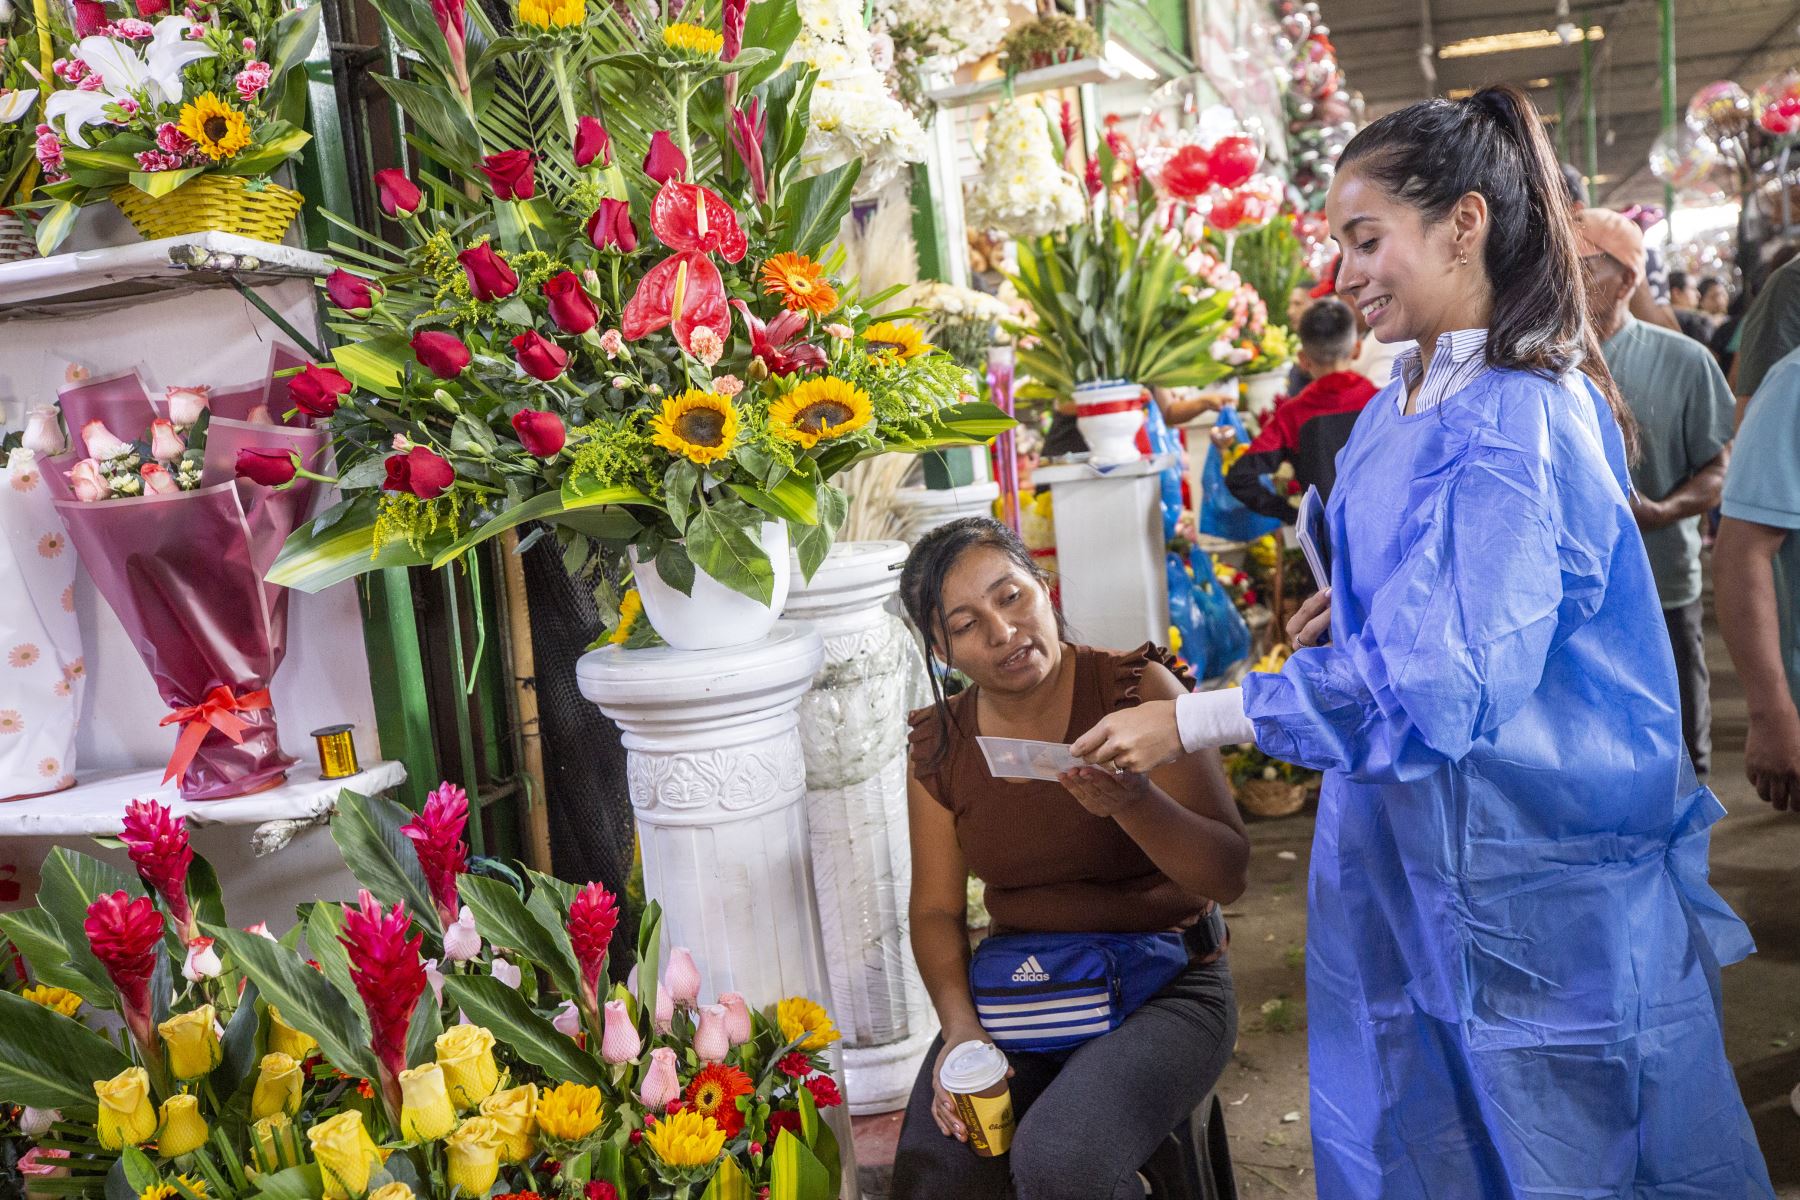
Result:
[
  {"x": 1687, "y": 635},
  {"x": 1088, "y": 1122}
]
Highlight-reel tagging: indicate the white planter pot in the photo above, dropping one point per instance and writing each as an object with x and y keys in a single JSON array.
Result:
[
  {"x": 1261, "y": 391},
  {"x": 715, "y": 616},
  {"x": 922, "y": 510},
  {"x": 1109, "y": 415}
]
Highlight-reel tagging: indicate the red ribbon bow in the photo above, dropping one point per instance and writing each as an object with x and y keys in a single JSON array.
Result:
[{"x": 214, "y": 712}]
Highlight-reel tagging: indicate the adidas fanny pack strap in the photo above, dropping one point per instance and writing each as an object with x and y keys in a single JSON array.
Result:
[{"x": 1048, "y": 993}]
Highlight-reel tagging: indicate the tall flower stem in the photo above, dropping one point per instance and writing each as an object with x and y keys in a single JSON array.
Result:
[
  {"x": 559, "y": 72},
  {"x": 684, "y": 93}
]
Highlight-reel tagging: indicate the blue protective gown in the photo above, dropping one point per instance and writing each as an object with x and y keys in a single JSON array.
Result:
[{"x": 1513, "y": 951}]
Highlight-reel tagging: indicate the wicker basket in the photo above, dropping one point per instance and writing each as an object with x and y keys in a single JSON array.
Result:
[
  {"x": 16, "y": 241},
  {"x": 211, "y": 202},
  {"x": 1271, "y": 797}
]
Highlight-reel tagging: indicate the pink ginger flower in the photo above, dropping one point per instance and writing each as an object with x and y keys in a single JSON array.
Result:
[
  {"x": 437, "y": 838},
  {"x": 158, "y": 845},
  {"x": 251, "y": 81},
  {"x": 389, "y": 976},
  {"x": 593, "y": 916}
]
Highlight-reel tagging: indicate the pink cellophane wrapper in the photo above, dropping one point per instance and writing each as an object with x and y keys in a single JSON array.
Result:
[{"x": 119, "y": 400}]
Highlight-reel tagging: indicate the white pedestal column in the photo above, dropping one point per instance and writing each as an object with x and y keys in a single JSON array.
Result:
[
  {"x": 1110, "y": 552},
  {"x": 853, "y": 730},
  {"x": 923, "y": 509}
]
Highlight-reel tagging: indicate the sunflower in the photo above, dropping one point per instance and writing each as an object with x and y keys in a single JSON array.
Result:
[
  {"x": 216, "y": 128},
  {"x": 168, "y": 1191},
  {"x": 686, "y": 1140},
  {"x": 895, "y": 338},
  {"x": 800, "y": 283},
  {"x": 693, "y": 41},
  {"x": 551, "y": 14},
  {"x": 699, "y": 426},
  {"x": 797, "y": 1015},
  {"x": 818, "y": 410},
  {"x": 714, "y": 1092}
]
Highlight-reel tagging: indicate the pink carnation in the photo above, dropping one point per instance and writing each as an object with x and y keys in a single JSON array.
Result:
[
  {"x": 90, "y": 83},
  {"x": 132, "y": 29},
  {"x": 170, "y": 139},
  {"x": 252, "y": 80},
  {"x": 49, "y": 150},
  {"x": 159, "y": 160},
  {"x": 69, "y": 70},
  {"x": 728, "y": 385},
  {"x": 249, "y": 45},
  {"x": 613, "y": 342},
  {"x": 128, "y": 106}
]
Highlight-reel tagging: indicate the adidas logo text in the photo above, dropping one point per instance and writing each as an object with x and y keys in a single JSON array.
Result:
[{"x": 1031, "y": 971}]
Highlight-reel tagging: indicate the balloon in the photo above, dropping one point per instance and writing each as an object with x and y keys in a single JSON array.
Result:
[
  {"x": 1682, "y": 157},
  {"x": 1234, "y": 160},
  {"x": 1297, "y": 26},
  {"x": 1719, "y": 110},
  {"x": 1777, "y": 103}
]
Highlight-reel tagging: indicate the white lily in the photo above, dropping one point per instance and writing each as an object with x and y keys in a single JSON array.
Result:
[
  {"x": 124, "y": 75},
  {"x": 16, "y": 103}
]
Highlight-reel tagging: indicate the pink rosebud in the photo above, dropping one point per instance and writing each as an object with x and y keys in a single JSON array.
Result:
[
  {"x": 711, "y": 1042},
  {"x": 661, "y": 1083},
  {"x": 43, "y": 432},
  {"x": 249, "y": 45},
  {"x": 157, "y": 480},
  {"x": 261, "y": 930},
  {"x": 43, "y": 1162},
  {"x": 186, "y": 404},
  {"x": 101, "y": 443},
  {"x": 838, "y": 329},
  {"x": 567, "y": 1020},
  {"x": 87, "y": 482},
  {"x": 259, "y": 416},
  {"x": 461, "y": 941},
  {"x": 435, "y": 978},
  {"x": 737, "y": 1017},
  {"x": 165, "y": 444},
  {"x": 619, "y": 1040},
  {"x": 681, "y": 978},
  {"x": 202, "y": 961},
  {"x": 665, "y": 1011},
  {"x": 728, "y": 385},
  {"x": 613, "y": 342}
]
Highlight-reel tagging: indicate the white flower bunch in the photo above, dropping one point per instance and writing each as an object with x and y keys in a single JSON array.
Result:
[
  {"x": 1023, "y": 190},
  {"x": 854, "y": 116},
  {"x": 948, "y": 300},
  {"x": 966, "y": 30}
]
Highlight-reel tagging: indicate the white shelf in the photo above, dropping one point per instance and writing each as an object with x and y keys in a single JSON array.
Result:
[
  {"x": 96, "y": 805},
  {"x": 37, "y": 286},
  {"x": 1045, "y": 79}
]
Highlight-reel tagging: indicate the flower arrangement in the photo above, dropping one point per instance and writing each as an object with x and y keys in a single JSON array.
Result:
[
  {"x": 242, "y": 1067},
  {"x": 623, "y": 321},
  {"x": 921, "y": 30},
  {"x": 1023, "y": 189},
  {"x": 20, "y": 92},
  {"x": 961, "y": 321},
  {"x": 143, "y": 107},
  {"x": 1048, "y": 40},
  {"x": 854, "y": 117}
]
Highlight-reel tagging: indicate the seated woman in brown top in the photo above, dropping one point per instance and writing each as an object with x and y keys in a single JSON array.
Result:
[{"x": 1093, "y": 853}]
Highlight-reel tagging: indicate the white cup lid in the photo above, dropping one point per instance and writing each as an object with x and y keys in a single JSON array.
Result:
[{"x": 973, "y": 1067}]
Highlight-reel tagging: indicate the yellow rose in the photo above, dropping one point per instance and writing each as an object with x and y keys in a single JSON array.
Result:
[
  {"x": 569, "y": 1112},
  {"x": 126, "y": 1115},
  {"x": 466, "y": 1053},
  {"x": 285, "y": 1039},
  {"x": 192, "y": 1042},
  {"x": 270, "y": 1138},
  {"x": 426, "y": 1113},
  {"x": 183, "y": 1128},
  {"x": 277, "y": 1087},
  {"x": 514, "y": 1114},
  {"x": 472, "y": 1161},
  {"x": 346, "y": 1154},
  {"x": 392, "y": 1191}
]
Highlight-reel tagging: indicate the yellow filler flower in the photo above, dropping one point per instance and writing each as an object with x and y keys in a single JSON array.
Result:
[
  {"x": 217, "y": 129},
  {"x": 699, "y": 426},
  {"x": 693, "y": 41},
  {"x": 686, "y": 1140},
  {"x": 797, "y": 1015},
  {"x": 126, "y": 1115},
  {"x": 818, "y": 410}
]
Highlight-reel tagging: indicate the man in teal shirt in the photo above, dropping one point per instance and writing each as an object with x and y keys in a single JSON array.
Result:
[
  {"x": 1757, "y": 578},
  {"x": 1684, "y": 411}
]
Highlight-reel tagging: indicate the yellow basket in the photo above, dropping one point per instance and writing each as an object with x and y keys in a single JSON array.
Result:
[{"x": 211, "y": 202}]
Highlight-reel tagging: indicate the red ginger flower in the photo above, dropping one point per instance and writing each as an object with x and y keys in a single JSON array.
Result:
[
  {"x": 158, "y": 845},
  {"x": 437, "y": 838},
  {"x": 125, "y": 934},
  {"x": 389, "y": 976},
  {"x": 592, "y": 918}
]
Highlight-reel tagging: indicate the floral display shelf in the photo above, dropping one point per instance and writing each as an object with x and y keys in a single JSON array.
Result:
[
  {"x": 40, "y": 286},
  {"x": 1044, "y": 79},
  {"x": 96, "y": 805}
]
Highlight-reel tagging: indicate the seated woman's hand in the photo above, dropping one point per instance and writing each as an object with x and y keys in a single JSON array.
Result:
[
  {"x": 1135, "y": 739},
  {"x": 943, "y": 1108},
  {"x": 1105, "y": 793}
]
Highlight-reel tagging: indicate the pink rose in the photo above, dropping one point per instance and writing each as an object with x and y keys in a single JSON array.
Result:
[
  {"x": 728, "y": 385},
  {"x": 101, "y": 443},
  {"x": 187, "y": 403},
  {"x": 737, "y": 1017},
  {"x": 202, "y": 961},
  {"x": 87, "y": 481},
  {"x": 681, "y": 978},
  {"x": 661, "y": 1084},
  {"x": 43, "y": 432},
  {"x": 157, "y": 480},
  {"x": 567, "y": 1020},
  {"x": 619, "y": 1040},
  {"x": 665, "y": 1011},
  {"x": 711, "y": 1042},
  {"x": 165, "y": 444},
  {"x": 839, "y": 330}
]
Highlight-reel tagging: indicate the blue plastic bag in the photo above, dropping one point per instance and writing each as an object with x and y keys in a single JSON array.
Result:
[
  {"x": 1164, "y": 440},
  {"x": 1221, "y": 514}
]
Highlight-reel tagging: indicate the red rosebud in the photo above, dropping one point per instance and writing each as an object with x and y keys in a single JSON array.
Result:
[
  {"x": 593, "y": 916},
  {"x": 637, "y": 1135},
  {"x": 541, "y": 433},
  {"x": 317, "y": 390},
  {"x": 571, "y": 309},
  {"x": 610, "y": 227},
  {"x": 1250, "y": 596},
  {"x": 90, "y": 18},
  {"x": 512, "y": 174},
  {"x": 397, "y": 195},
  {"x": 490, "y": 278},
  {"x": 271, "y": 468},
  {"x": 125, "y": 935},
  {"x": 437, "y": 837},
  {"x": 1187, "y": 174},
  {"x": 352, "y": 293},
  {"x": 157, "y": 843},
  {"x": 443, "y": 354},
  {"x": 538, "y": 356},
  {"x": 665, "y": 161},
  {"x": 420, "y": 472},
  {"x": 388, "y": 973},
  {"x": 1233, "y": 161},
  {"x": 592, "y": 142},
  {"x": 1293, "y": 487},
  {"x": 671, "y": 1108},
  {"x": 755, "y": 1148},
  {"x": 825, "y": 1091}
]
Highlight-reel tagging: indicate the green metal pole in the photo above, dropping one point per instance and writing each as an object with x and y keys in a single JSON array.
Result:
[
  {"x": 1590, "y": 118},
  {"x": 1666, "y": 21},
  {"x": 1562, "y": 119}
]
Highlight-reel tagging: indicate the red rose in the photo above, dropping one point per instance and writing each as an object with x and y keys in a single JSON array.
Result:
[
  {"x": 541, "y": 433},
  {"x": 610, "y": 227},
  {"x": 512, "y": 174},
  {"x": 316, "y": 390},
  {"x": 490, "y": 278},
  {"x": 665, "y": 161},
  {"x": 443, "y": 354},
  {"x": 1229, "y": 213},
  {"x": 271, "y": 468},
  {"x": 570, "y": 307},
  {"x": 1234, "y": 160},
  {"x": 398, "y": 195},
  {"x": 420, "y": 472},
  {"x": 352, "y": 293},
  {"x": 825, "y": 1091},
  {"x": 592, "y": 142},
  {"x": 1187, "y": 174},
  {"x": 540, "y": 357}
]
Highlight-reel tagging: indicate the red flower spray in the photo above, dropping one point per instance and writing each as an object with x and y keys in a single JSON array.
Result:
[
  {"x": 592, "y": 918},
  {"x": 125, "y": 935}
]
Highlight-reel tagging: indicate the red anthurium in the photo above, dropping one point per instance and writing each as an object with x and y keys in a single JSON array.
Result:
[
  {"x": 774, "y": 343},
  {"x": 592, "y": 142},
  {"x": 541, "y": 358},
  {"x": 512, "y": 174},
  {"x": 687, "y": 216},
  {"x": 541, "y": 433},
  {"x": 665, "y": 161},
  {"x": 684, "y": 290},
  {"x": 1233, "y": 160},
  {"x": 610, "y": 227},
  {"x": 397, "y": 195},
  {"x": 570, "y": 307},
  {"x": 443, "y": 354}
]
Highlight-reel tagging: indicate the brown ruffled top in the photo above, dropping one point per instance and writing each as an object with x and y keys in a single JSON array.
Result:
[{"x": 1049, "y": 864}]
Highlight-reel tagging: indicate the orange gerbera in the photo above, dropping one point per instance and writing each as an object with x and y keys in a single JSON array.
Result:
[
  {"x": 800, "y": 282},
  {"x": 714, "y": 1093}
]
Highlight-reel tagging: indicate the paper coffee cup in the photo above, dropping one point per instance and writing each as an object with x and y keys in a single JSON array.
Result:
[{"x": 974, "y": 1074}]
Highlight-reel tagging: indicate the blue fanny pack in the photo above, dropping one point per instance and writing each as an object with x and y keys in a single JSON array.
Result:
[{"x": 1046, "y": 993}]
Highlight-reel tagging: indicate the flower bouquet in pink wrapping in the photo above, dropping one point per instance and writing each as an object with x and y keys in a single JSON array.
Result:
[{"x": 177, "y": 539}]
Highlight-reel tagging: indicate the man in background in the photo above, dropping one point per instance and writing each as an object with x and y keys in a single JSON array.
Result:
[
  {"x": 1685, "y": 298},
  {"x": 1771, "y": 330}
]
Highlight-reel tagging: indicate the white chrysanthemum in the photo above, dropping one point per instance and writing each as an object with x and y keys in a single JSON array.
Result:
[
  {"x": 965, "y": 30},
  {"x": 854, "y": 116},
  {"x": 1023, "y": 189}
]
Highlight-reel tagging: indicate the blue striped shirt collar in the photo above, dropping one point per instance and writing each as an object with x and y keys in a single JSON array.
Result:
[{"x": 1459, "y": 357}]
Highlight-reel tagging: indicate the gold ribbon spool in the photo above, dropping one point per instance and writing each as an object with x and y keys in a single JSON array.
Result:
[{"x": 337, "y": 751}]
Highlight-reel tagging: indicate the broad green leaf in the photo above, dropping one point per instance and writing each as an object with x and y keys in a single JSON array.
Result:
[
  {"x": 446, "y": 124},
  {"x": 422, "y": 1034},
  {"x": 295, "y": 1183},
  {"x": 809, "y": 1116},
  {"x": 795, "y": 1173},
  {"x": 68, "y": 882},
  {"x": 38, "y": 937},
  {"x": 790, "y": 500},
  {"x": 501, "y": 1009},
  {"x": 772, "y": 24},
  {"x": 728, "y": 1184},
  {"x": 267, "y": 154},
  {"x": 158, "y": 184},
  {"x": 324, "y": 926},
  {"x": 814, "y": 208},
  {"x": 725, "y": 550},
  {"x": 374, "y": 365},
  {"x": 543, "y": 505},
  {"x": 311, "y": 562},
  {"x": 239, "y": 1059},
  {"x": 549, "y": 902},
  {"x": 680, "y": 482},
  {"x": 204, "y": 894},
  {"x": 675, "y": 568},
  {"x": 649, "y": 955},
  {"x": 578, "y": 492},
  {"x": 813, "y": 542},
  {"x": 367, "y": 831},
  {"x": 307, "y": 1000},
  {"x": 505, "y": 922},
  {"x": 51, "y": 1061},
  {"x": 295, "y": 36}
]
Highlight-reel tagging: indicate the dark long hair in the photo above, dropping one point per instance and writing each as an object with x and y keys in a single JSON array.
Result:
[
  {"x": 1430, "y": 155},
  {"x": 922, "y": 592}
]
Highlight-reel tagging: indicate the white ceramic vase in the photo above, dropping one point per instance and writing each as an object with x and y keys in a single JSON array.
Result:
[
  {"x": 1262, "y": 390},
  {"x": 714, "y": 616},
  {"x": 1109, "y": 414}
]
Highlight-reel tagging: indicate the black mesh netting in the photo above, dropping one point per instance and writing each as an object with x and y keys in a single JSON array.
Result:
[{"x": 584, "y": 762}]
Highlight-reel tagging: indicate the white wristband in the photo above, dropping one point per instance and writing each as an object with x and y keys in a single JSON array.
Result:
[{"x": 1207, "y": 719}]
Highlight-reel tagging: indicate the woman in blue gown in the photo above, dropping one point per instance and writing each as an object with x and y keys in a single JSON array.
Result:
[{"x": 1512, "y": 948}]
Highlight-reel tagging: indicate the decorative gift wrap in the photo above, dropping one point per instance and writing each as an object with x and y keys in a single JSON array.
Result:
[{"x": 41, "y": 671}]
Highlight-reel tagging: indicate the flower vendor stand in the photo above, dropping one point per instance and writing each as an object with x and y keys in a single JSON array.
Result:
[
  {"x": 853, "y": 732},
  {"x": 1109, "y": 550}
]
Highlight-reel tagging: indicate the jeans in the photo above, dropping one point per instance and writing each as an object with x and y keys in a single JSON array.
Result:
[
  {"x": 1087, "y": 1122},
  {"x": 1688, "y": 638}
]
